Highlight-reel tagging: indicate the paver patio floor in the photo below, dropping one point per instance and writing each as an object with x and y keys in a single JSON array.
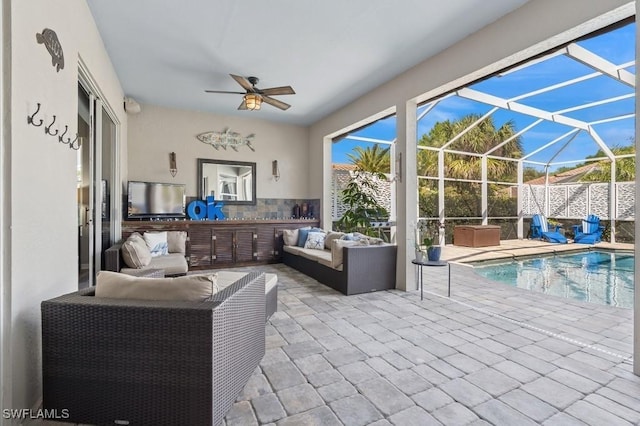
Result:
[{"x": 490, "y": 354}]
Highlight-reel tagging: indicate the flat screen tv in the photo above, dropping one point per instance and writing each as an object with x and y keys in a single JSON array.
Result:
[{"x": 147, "y": 200}]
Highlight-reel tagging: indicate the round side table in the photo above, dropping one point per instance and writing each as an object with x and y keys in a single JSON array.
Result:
[{"x": 421, "y": 263}]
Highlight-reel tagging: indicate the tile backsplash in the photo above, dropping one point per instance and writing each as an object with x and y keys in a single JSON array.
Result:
[{"x": 270, "y": 208}]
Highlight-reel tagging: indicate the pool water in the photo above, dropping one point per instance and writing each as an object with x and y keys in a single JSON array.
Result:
[{"x": 594, "y": 276}]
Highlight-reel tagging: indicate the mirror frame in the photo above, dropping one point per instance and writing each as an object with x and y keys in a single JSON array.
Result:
[{"x": 203, "y": 161}]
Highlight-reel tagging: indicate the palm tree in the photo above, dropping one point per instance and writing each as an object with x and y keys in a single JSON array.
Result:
[
  {"x": 625, "y": 167},
  {"x": 371, "y": 159},
  {"x": 478, "y": 140},
  {"x": 463, "y": 197}
]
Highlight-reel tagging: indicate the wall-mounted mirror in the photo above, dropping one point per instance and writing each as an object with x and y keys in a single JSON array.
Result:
[{"x": 233, "y": 182}]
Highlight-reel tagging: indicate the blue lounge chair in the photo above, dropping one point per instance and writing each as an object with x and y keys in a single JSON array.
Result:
[
  {"x": 540, "y": 230},
  {"x": 590, "y": 232}
]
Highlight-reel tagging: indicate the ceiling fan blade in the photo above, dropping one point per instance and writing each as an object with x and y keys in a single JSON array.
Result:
[
  {"x": 276, "y": 103},
  {"x": 242, "y": 106},
  {"x": 224, "y": 91},
  {"x": 243, "y": 82},
  {"x": 283, "y": 90}
]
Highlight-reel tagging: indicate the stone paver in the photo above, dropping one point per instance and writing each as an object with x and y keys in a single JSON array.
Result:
[
  {"x": 594, "y": 415},
  {"x": 408, "y": 382},
  {"x": 454, "y": 414},
  {"x": 389, "y": 358},
  {"x": 337, "y": 390},
  {"x": 344, "y": 356},
  {"x": 432, "y": 399},
  {"x": 529, "y": 405},
  {"x": 386, "y": 397},
  {"x": 358, "y": 372},
  {"x": 321, "y": 416},
  {"x": 413, "y": 416},
  {"x": 355, "y": 410},
  {"x": 283, "y": 375},
  {"x": 492, "y": 381},
  {"x": 465, "y": 392},
  {"x": 552, "y": 392},
  {"x": 241, "y": 414},
  {"x": 299, "y": 398},
  {"x": 499, "y": 413},
  {"x": 268, "y": 408}
]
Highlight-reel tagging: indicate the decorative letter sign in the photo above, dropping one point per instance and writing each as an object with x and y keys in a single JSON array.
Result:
[{"x": 211, "y": 210}]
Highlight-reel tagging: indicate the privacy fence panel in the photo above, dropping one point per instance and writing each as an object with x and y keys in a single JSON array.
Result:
[{"x": 576, "y": 201}]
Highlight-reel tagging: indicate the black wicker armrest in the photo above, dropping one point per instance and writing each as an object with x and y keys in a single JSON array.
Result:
[
  {"x": 113, "y": 258},
  {"x": 151, "y": 362}
]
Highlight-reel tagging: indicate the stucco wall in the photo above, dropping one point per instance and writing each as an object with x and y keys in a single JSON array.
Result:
[
  {"x": 44, "y": 233},
  {"x": 157, "y": 131}
]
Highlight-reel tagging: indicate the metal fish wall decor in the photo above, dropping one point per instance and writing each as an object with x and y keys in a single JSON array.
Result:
[
  {"x": 49, "y": 38},
  {"x": 225, "y": 139}
]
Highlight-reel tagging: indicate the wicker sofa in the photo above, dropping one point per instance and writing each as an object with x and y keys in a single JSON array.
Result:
[
  {"x": 148, "y": 362},
  {"x": 364, "y": 268}
]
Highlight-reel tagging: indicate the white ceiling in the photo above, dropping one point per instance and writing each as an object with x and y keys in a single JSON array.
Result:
[{"x": 331, "y": 51}]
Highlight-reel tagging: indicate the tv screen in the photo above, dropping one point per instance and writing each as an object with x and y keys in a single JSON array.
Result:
[{"x": 152, "y": 199}]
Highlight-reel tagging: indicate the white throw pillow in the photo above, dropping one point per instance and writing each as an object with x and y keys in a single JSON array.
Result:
[
  {"x": 190, "y": 288},
  {"x": 157, "y": 243},
  {"x": 315, "y": 240},
  {"x": 290, "y": 237}
]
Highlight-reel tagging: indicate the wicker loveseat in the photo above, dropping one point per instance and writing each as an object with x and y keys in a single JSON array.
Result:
[
  {"x": 116, "y": 361},
  {"x": 364, "y": 268}
]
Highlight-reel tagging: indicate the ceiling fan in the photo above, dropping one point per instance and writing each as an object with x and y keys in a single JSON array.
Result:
[{"x": 253, "y": 97}]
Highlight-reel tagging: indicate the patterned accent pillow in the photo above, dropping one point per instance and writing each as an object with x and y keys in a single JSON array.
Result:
[
  {"x": 157, "y": 243},
  {"x": 315, "y": 241},
  {"x": 135, "y": 252}
]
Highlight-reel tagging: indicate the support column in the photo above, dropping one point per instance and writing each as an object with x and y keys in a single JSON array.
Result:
[
  {"x": 485, "y": 191},
  {"x": 406, "y": 194},
  {"x": 441, "y": 192},
  {"x": 519, "y": 202},
  {"x": 636, "y": 297},
  {"x": 613, "y": 201}
]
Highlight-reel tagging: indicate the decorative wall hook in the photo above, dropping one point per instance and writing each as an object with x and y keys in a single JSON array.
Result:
[
  {"x": 48, "y": 128},
  {"x": 73, "y": 144},
  {"x": 61, "y": 137},
  {"x": 30, "y": 118}
]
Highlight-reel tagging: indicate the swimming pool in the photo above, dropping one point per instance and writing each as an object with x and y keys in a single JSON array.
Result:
[{"x": 594, "y": 276}]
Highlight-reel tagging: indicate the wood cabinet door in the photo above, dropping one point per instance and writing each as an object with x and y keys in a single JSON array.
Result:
[
  {"x": 245, "y": 245},
  {"x": 223, "y": 246},
  {"x": 265, "y": 248},
  {"x": 200, "y": 247}
]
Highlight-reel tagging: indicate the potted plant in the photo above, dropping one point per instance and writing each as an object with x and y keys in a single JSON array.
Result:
[
  {"x": 362, "y": 206},
  {"x": 430, "y": 238}
]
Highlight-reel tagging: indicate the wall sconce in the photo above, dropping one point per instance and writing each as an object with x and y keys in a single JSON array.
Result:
[
  {"x": 275, "y": 171},
  {"x": 253, "y": 101},
  {"x": 173, "y": 166}
]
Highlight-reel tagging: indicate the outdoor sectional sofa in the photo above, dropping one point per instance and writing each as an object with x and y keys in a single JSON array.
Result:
[
  {"x": 122, "y": 361},
  {"x": 364, "y": 268}
]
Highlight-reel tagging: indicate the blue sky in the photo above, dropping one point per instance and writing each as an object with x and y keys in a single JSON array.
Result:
[{"x": 617, "y": 46}]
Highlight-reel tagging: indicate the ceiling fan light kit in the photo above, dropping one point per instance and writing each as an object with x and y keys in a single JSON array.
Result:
[
  {"x": 253, "y": 97},
  {"x": 252, "y": 101}
]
